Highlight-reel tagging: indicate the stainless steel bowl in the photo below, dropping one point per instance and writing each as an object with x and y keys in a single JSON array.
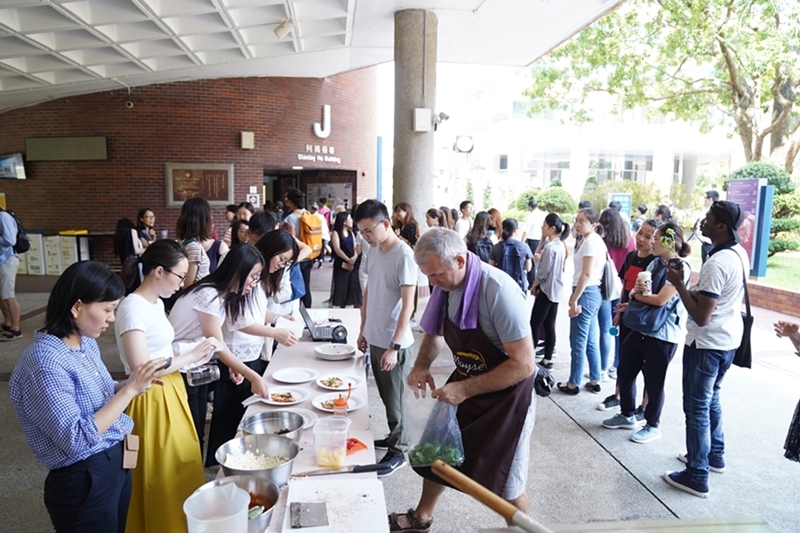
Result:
[
  {"x": 270, "y": 422},
  {"x": 270, "y": 445},
  {"x": 256, "y": 485}
]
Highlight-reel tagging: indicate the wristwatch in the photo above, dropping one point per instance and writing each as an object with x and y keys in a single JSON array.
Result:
[{"x": 394, "y": 346}]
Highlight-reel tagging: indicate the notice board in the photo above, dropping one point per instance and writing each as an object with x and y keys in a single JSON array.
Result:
[{"x": 214, "y": 182}]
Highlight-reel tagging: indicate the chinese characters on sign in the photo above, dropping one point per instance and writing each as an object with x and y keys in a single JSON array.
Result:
[
  {"x": 212, "y": 182},
  {"x": 320, "y": 154}
]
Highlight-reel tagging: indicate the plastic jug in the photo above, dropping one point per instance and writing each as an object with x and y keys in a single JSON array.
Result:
[
  {"x": 330, "y": 440},
  {"x": 221, "y": 509}
]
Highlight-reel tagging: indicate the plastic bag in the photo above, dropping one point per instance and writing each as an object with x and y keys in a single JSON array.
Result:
[{"x": 432, "y": 429}]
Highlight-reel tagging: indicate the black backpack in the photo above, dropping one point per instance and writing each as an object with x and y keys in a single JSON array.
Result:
[{"x": 23, "y": 242}]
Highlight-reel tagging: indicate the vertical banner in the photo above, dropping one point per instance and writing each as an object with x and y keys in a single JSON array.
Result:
[
  {"x": 747, "y": 193},
  {"x": 625, "y": 200}
]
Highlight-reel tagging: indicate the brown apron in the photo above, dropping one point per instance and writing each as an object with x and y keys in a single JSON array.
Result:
[{"x": 490, "y": 423}]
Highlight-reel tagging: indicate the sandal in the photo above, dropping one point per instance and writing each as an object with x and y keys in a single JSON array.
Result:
[
  {"x": 10, "y": 334},
  {"x": 408, "y": 523}
]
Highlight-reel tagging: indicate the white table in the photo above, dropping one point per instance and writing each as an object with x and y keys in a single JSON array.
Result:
[{"x": 302, "y": 355}]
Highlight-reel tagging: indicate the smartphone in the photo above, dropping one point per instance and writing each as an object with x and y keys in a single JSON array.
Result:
[{"x": 166, "y": 365}]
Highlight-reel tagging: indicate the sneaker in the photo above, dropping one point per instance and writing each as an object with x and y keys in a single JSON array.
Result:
[
  {"x": 381, "y": 444},
  {"x": 566, "y": 389},
  {"x": 620, "y": 421},
  {"x": 646, "y": 434},
  {"x": 540, "y": 351},
  {"x": 593, "y": 387},
  {"x": 683, "y": 481},
  {"x": 391, "y": 462},
  {"x": 413, "y": 323},
  {"x": 603, "y": 376},
  {"x": 546, "y": 364},
  {"x": 612, "y": 372},
  {"x": 639, "y": 414},
  {"x": 609, "y": 403},
  {"x": 715, "y": 464}
]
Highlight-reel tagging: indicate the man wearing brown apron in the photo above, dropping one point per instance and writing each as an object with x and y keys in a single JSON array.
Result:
[{"x": 480, "y": 312}]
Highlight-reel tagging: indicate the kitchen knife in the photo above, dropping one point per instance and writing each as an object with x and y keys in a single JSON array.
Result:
[{"x": 354, "y": 469}]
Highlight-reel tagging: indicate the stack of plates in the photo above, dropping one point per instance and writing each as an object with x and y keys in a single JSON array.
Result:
[{"x": 335, "y": 352}]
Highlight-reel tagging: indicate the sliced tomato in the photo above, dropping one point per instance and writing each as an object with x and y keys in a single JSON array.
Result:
[{"x": 354, "y": 445}]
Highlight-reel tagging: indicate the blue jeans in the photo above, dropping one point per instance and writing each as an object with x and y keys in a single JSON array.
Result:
[
  {"x": 703, "y": 371},
  {"x": 604, "y": 316},
  {"x": 583, "y": 337}
]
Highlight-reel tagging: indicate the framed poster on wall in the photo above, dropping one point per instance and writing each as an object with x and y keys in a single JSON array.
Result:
[
  {"x": 336, "y": 193},
  {"x": 189, "y": 180}
]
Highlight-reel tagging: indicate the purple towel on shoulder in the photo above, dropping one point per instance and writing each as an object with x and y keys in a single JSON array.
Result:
[{"x": 467, "y": 312}]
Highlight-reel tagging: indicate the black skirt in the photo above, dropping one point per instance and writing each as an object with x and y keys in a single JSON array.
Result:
[{"x": 792, "y": 445}]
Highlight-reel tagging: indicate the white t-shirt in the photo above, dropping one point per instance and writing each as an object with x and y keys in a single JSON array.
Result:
[
  {"x": 183, "y": 316},
  {"x": 721, "y": 278},
  {"x": 244, "y": 346},
  {"x": 462, "y": 226},
  {"x": 136, "y": 313},
  {"x": 326, "y": 232},
  {"x": 593, "y": 246},
  {"x": 293, "y": 220},
  {"x": 533, "y": 224},
  {"x": 386, "y": 273}
]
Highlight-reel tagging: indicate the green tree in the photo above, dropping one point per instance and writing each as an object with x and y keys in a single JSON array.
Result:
[
  {"x": 757, "y": 170},
  {"x": 487, "y": 197},
  {"x": 470, "y": 192},
  {"x": 687, "y": 59}
]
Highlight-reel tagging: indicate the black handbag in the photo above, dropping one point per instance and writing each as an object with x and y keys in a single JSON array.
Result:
[{"x": 744, "y": 353}]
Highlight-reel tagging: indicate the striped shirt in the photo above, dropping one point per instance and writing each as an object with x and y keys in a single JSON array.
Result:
[{"x": 56, "y": 390}]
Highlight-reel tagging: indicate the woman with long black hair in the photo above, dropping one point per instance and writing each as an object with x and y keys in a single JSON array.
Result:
[
  {"x": 478, "y": 240},
  {"x": 346, "y": 261},
  {"x": 246, "y": 338},
  {"x": 548, "y": 284},
  {"x": 202, "y": 309},
  {"x": 171, "y": 468}
]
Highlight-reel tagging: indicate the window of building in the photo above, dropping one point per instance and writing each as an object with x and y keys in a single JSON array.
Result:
[{"x": 503, "y": 163}]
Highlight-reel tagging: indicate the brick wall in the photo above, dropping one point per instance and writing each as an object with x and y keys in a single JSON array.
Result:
[
  {"x": 773, "y": 298},
  {"x": 187, "y": 122}
]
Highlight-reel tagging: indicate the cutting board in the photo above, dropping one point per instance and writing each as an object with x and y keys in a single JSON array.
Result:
[{"x": 354, "y": 505}]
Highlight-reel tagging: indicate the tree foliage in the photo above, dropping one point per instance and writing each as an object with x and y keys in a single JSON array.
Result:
[
  {"x": 711, "y": 62},
  {"x": 648, "y": 194},
  {"x": 521, "y": 202},
  {"x": 778, "y": 177},
  {"x": 470, "y": 192},
  {"x": 557, "y": 200}
]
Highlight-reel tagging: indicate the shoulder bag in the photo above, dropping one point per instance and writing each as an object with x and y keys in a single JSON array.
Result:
[
  {"x": 610, "y": 284},
  {"x": 744, "y": 353}
]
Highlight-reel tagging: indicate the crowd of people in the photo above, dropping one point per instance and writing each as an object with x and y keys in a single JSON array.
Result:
[{"x": 180, "y": 302}]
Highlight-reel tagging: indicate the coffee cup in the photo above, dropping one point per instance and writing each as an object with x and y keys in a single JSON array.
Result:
[
  {"x": 646, "y": 278},
  {"x": 164, "y": 233}
]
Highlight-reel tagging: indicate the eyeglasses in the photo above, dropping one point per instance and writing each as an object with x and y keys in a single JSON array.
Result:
[
  {"x": 182, "y": 278},
  {"x": 373, "y": 228}
]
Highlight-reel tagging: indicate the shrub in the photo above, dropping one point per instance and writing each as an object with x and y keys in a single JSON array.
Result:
[
  {"x": 555, "y": 182},
  {"x": 521, "y": 201},
  {"x": 786, "y": 205},
  {"x": 778, "y": 177},
  {"x": 777, "y": 246},
  {"x": 784, "y": 224},
  {"x": 557, "y": 200},
  {"x": 648, "y": 195}
]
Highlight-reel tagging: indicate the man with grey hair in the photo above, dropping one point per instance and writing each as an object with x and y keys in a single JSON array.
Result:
[{"x": 479, "y": 311}]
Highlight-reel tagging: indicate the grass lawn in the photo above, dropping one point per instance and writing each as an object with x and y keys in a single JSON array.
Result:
[{"x": 783, "y": 271}]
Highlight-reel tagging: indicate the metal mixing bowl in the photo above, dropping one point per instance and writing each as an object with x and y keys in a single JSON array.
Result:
[
  {"x": 269, "y": 445},
  {"x": 269, "y": 422},
  {"x": 256, "y": 485}
]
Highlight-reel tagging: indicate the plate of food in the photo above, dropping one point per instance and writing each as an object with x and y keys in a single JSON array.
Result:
[
  {"x": 339, "y": 382},
  {"x": 309, "y": 417},
  {"x": 335, "y": 352},
  {"x": 324, "y": 402},
  {"x": 284, "y": 396},
  {"x": 295, "y": 375}
]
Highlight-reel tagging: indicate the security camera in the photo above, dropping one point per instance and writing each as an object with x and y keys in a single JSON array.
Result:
[
  {"x": 129, "y": 104},
  {"x": 443, "y": 116}
]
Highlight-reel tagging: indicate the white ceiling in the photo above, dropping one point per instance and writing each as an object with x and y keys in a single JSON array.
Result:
[{"x": 55, "y": 48}]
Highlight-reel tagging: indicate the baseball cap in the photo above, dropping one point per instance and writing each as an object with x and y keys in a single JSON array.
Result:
[{"x": 730, "y": 214}]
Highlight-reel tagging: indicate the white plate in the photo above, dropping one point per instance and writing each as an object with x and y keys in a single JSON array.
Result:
[
  {"x": 299, "y": 396},
  {"x": 295, "y": 375},
  {"x": 309, "y": 417},
  {"x": 346, "y": 378},
  {"x": 356, "y": 402},
  {"x": 335, "y": 352}
]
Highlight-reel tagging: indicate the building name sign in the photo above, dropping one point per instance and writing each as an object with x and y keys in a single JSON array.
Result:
[{"x": 318, "y": 153}]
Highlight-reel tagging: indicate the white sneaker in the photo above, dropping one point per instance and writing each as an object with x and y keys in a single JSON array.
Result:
[{"x": 647, "y": 434}]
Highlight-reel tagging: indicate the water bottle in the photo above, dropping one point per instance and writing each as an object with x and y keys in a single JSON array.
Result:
[{"x": 202, "y": 375}]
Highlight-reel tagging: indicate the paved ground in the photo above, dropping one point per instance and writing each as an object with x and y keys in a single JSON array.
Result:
[{"x": 579, "y": 472}]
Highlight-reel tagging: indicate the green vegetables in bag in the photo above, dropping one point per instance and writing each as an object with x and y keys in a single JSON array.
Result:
[{"x": 426, "y": 454}]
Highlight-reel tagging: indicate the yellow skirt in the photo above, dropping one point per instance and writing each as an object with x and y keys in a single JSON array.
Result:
[{"x": 170, "y": 466}]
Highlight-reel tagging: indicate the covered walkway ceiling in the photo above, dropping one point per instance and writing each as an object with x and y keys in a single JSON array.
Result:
[{"x": 55, "y": 48}]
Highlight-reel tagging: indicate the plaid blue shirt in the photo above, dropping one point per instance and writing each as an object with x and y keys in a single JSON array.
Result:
[{"x": 56, "y": 391}]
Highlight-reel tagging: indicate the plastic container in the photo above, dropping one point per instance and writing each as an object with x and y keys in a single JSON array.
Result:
[
  {"x": 202, "y": 375},
  {"x": 330, "y": 440},
  {"x": 221, "y": 509}
]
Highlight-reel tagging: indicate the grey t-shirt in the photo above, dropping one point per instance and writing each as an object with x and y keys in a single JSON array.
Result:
[
  {"x": 502, "y": 311},
  {"x": 386, "y": 273}
]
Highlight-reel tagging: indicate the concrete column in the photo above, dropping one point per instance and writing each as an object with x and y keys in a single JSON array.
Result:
[
  {"x": 415, "y": 34},
  {"x": 689, "y": 178}
]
